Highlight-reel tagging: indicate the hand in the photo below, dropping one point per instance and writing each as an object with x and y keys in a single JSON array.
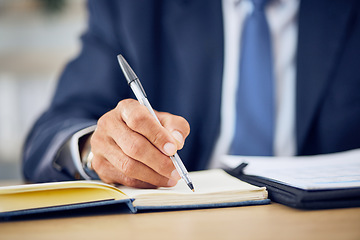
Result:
[{"x": 131, "y": 148}]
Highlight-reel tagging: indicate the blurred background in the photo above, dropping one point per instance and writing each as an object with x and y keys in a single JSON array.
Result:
[{"x": 37, "y": 38}]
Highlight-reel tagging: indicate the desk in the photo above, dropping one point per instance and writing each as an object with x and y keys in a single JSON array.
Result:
[{"x": 272, "y": 221}]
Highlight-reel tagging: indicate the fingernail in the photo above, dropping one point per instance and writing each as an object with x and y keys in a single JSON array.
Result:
[
  {"x": 178, "y": 136},
  {"x": 170, "y": 149},
  {"x": 175, "y": 175},
  {"x": 172, "y": 182}
]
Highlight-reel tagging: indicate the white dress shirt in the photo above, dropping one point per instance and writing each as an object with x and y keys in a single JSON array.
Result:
[{"x": 282, "y": 19}]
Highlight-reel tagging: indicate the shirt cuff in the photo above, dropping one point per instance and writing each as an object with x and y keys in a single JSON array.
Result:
[{"x": 69, "y": 159}]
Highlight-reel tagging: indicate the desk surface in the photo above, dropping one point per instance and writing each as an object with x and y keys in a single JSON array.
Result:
[{"x": 272, "y": 221}]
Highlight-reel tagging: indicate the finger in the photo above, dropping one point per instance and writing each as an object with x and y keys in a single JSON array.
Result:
[
  {"x": 109, "y": 174},
  {"x": 107, "y": 148},
  {"x": 134, "y": 169},
  {"x": 128, "y": 143},
  {"x": 132, "y": 144},
  {"x": 176, "y": 125},
  {"x": 139, "y": 119}
]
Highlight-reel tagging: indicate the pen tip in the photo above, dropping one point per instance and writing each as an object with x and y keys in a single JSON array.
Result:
[{"x": 191, "y": 186}]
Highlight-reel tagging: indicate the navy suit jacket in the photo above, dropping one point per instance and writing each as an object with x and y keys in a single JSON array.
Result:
[{"x": 176, "y": 47}]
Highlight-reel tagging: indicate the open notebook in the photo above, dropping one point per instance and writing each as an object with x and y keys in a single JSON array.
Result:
[{"x": 213, "y": 188}]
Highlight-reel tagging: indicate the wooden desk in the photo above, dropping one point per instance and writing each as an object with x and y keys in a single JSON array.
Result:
[{"x": 272, "y": 221}]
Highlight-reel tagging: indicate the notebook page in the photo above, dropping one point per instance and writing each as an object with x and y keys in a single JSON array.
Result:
[{"x": 205, "y": 182}]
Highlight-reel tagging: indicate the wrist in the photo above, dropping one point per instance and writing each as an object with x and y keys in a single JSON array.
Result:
[{"x": 86, "y": 155}]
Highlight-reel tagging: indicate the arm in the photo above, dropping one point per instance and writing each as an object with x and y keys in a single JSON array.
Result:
[
  {"x": 129, "y": 147},
  {"x": 89, "y": 86}
]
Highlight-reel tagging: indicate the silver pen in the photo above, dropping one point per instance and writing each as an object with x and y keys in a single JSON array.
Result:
[{"x": 140, "y": 94}]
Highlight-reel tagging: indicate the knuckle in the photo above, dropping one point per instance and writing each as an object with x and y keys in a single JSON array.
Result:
[
  {"x": 128, "y": 111},
  {"x": 102, "y": 122},
  {"x": 133, "y": 148},
  {"x": 159, "y": 138},
  {"x": 123, "y": 103},
  {"x": 128, "y": 167},
  {"x": 97, "y": 143},
  {"x": 136, "y": 120},
  {"x": 94, "y": 139}
]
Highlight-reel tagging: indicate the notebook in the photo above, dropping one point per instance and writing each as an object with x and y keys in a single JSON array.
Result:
[{"x": 213, "y": 188}]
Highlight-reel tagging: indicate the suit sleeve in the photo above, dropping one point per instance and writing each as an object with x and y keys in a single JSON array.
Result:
[{"x": 89, "y": 86}]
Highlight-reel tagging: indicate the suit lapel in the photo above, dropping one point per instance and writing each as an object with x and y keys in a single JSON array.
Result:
[{"x": 322, "y": 28}]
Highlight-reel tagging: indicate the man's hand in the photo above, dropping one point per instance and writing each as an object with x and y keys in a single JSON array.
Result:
[{"x": 131, "y": 148}]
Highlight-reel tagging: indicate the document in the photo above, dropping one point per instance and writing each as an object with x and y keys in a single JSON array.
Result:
[{"x": 327, "y": 171}]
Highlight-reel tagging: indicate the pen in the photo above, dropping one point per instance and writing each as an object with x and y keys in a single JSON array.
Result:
[{"x": 140, "y": 94}]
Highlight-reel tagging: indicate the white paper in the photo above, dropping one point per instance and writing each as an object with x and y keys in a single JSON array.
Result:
[{"x": 328, "y": 171}]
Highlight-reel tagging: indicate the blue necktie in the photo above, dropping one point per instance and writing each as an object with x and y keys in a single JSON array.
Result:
[{"x": 254, "y": 131}]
